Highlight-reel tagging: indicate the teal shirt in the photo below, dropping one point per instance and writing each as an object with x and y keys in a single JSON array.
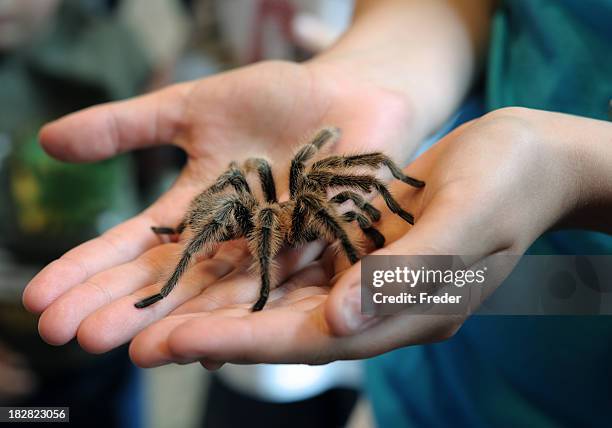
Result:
[
  {"x": 552, "y": 55},
  {"x": 521, "y": 371}
]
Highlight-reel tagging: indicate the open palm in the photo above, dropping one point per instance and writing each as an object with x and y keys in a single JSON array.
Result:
[
  {"x": 487, "y": 193},
  {"x": 260, "y": 110}
]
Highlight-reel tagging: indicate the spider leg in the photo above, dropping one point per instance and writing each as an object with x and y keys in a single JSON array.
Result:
[
  {"x": 265, "y": 241},
  {"x": 363, "y": 182},
  {"x": 321, "y": 180},
  {"x": 310, "y": 235},
  {"x": 298, "y": 228},
  {"x": 393, "y": 205},
  {"x": 266, "y": 178},
  {"x": 359, "y": 201},
  {"x": 397, "y": 172},
  {"x": 233, "y": 176},
  {"x": 323, "y": 214},
  {"x": 307, "y": 152},
  {"x": 372, "y": 160},
  {"x": 212, "y": 231},
  {"x": 377, "y": 238}
]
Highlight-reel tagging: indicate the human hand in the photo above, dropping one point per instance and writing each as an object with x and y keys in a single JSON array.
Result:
[
  {"x": 91, "y": 290},
  {"x": 493, "y": 186}
]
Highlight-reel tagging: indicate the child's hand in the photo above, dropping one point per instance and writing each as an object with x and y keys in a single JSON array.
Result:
[
  {"x": 493, "y": 186},
  {"x": 262, "y": 109}
]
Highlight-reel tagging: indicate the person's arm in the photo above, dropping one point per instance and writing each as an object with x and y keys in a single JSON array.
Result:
[
  {"x": 586, "y": 146},
  {"x": 430, "y": 51}
]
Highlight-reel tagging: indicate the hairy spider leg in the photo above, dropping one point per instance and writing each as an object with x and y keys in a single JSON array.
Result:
[
  {"x": 298, "y": 233},
  {"x": 213, "y": 231},
  {"x": 365, "y": 225},
  {"x": 393, "y": 205},
  {"x": 325, "y": 217},
  {"x": 359, "y": 202},
  {"x": 320, "y": 181},
  {"x": 371, "y": 160},
  {"x": 265, "y": 242},
  {"x": 263, "y": 169},
  {"x": 307, "y": 152},
  {"x": 310, "y": 235},
  {"x": 363, "y": 182},
  {"x": 233, "y": 176}
]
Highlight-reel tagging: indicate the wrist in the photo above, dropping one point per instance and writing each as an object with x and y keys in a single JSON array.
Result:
[
  {"x": 581, "y": 151},
  {"x": 587, "y": 147},
  {"x": 427, "y": 52},
  {"x": 400, "y": 100}
]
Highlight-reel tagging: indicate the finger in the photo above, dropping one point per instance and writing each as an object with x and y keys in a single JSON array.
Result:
[
  {"x": 117, "y": 246},
  {"x": 445, "y": 227},
  {"x": 149, "y": 348},
  {"x": 242, "y": 286},
  {"x": 294, "y": 335},
  {"x": 293, "y": 332},
  {"x": 280, "y": 335},
  {"x": 310, "y": 281},
  {"x": 117, "y": 323},
  {"x": 377, "y": 335},
  {"x": 59, "y": 323},
  {"x": 109, "y": 129}
]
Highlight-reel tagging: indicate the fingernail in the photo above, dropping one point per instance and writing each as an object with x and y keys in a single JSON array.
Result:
[{"x": 354, "y": 319}]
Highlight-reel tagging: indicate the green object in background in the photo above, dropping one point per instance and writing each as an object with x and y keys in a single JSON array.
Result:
[
  {"x": 52, "y": 206},
  {"x": 48, "y": 207},
  {"x": 551, "y": 55}
]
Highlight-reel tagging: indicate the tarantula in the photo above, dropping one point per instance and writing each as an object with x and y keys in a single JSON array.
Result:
[{"x": 228, "y": 209}]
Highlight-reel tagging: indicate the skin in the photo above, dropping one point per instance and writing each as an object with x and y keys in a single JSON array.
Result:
[{"x": 476, "y": 178}]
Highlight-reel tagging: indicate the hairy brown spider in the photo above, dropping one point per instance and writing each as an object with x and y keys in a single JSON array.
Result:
[{"x": 228, "y": 209}]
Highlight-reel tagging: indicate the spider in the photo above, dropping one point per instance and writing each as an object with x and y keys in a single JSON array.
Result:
[{"x": 229, "y": 210}]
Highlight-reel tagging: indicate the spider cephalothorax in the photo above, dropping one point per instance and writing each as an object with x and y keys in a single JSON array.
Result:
[{"x": 228, "y": 209}]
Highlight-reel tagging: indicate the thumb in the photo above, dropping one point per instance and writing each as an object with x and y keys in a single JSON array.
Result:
[
  {"x": 442, "y": 230},
  {"x": 106, "y": 130}
]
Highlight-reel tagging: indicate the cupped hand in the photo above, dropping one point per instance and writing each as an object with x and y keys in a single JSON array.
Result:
[
  {"x": 493, "y": 186},
  {"x": 266, "y": 109}
]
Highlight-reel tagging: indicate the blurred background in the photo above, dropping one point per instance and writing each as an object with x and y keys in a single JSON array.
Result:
[{"x": 58, "y": 56}]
